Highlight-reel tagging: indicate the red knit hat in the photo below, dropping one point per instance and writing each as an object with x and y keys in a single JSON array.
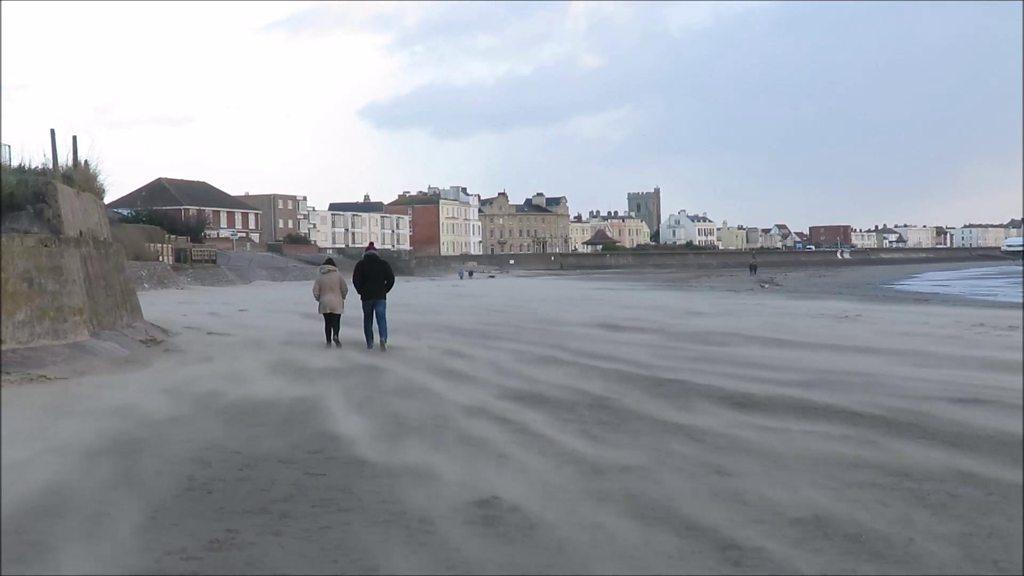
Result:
[{"x": 370, "y": 247}]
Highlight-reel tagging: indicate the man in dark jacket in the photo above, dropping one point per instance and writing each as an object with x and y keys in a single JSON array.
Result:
[{"x": 373, "y": 279}]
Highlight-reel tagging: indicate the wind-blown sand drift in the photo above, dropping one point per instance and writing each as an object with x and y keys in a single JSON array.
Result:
[{"x": 531, "y": 425}]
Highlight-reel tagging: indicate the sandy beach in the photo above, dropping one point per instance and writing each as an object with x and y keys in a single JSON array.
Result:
[{"x": 621, "y": 422}]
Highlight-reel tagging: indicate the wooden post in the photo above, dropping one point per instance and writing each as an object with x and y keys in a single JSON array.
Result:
[
  {"x": 74, "y": 151},
  {"x": 53, "y": 149}
]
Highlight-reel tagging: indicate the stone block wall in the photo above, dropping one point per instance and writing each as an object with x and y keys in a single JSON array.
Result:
[
  {"x": 63, "y": 287},
  {"x": 60, "y": 289}
]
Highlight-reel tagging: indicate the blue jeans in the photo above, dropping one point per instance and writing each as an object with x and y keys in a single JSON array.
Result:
[{"x": 380, "y": 309}]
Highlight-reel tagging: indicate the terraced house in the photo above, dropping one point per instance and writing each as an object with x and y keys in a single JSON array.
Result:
[
  {"x": 626, "y": 229},
  {"x": 444, "y": 221},
  {"x": 539, "y": 224}
]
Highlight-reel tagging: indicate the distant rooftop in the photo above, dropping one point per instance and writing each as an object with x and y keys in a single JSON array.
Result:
[
  {"x": 600, "y": 238},
  {"x": 356, "y": 207},
  {"x": 173, "y": 192}
]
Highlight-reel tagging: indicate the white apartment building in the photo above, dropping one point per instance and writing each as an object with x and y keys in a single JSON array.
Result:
[
  {"x": 459, "y": 216},
  {"x": 918, "y": 236},
  {"x": 865, "y": 239},
  {"x": 684, "y": 227},
  {"x": 978, "y": 236},
  {"x": 334, "y": 230}
]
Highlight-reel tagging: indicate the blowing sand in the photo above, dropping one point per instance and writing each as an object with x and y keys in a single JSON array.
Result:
[{"x": 532, "y": 425}]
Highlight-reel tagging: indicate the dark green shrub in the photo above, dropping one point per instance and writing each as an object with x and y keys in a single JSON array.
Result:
[{"x": 295, "y": 238}]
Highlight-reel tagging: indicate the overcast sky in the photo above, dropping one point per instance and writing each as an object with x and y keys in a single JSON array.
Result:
[{"x": 800, "y": 113}]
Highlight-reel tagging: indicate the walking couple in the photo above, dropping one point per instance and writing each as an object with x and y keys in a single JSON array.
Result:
[{"x": 372, "y": 279}]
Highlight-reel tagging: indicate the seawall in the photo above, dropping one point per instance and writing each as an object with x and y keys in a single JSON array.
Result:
[
  {"x": 66, "y": 287},
  {"x": 670, "y": 260},
  {"x": 59, "y": 289}
]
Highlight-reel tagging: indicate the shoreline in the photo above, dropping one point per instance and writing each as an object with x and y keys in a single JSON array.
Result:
[{"x": 864, "y": 282}]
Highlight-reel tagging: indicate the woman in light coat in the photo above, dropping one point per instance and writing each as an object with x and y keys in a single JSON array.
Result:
[{"x": 330, "y": 290}]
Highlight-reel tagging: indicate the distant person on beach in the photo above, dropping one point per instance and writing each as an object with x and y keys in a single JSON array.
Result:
[
  {"x": 470, "y": 273},
  {"x": 461, "y": 273},
  {"x": 373, "y": 279},
  {"x": 753, "y": 266},
  {"x": 330, "y": 290}
]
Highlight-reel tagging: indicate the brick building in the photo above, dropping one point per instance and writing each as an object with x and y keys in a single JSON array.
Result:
[
  {"x": 424, "y": 212},
  {"x": 226, "y": 216},
  {"x": 283, "y": 214},
  {"x": 832, "y": 236},
  {"x": 444, "y": 221}
]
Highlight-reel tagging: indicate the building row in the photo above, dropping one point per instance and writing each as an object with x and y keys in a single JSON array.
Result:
[{"x": 451, "y": 221}]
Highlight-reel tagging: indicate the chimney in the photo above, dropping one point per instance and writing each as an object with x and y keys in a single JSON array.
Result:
[
  {"x": 538, "y": 199},
  {"x": 74, "y": 151},
  {"x": 366, "y": 197}
]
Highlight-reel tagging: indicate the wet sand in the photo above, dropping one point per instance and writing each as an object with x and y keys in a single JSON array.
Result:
[{"x": 636, "y": 423}]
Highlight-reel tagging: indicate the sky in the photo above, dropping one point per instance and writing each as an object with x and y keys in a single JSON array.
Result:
[{"x": 756, "y": 113}]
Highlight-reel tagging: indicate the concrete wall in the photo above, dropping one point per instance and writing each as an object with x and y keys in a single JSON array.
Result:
[
  {"x": 134, "y": 239},
  {"x": 709, "y": 259},
  {"x": 58, "y": 289},
  {"x": 79, "y": 214}
]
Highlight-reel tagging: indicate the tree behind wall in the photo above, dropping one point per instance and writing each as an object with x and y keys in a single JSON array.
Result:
[
  {"x": 192, "y": 226},
  {"x": 296, "y": 238}
]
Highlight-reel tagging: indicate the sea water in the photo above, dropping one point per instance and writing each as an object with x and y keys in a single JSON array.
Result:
[{"x": 999, "y": 283}]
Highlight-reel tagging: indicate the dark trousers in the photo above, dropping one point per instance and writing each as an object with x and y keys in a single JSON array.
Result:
[
  {"x": 753, "y": 269},
  {"x": 378, "y": 308},
  {"x": 332, "y": 326}
]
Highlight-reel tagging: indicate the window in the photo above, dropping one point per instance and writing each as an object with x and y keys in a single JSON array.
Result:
[
  {"x": 290, "y": 223},
  {"x": 280, "y": 223},
  {"x": 290, "y": 206},
  {"x": 280, "y": 203},
  {"x": 223, "y": 219}
]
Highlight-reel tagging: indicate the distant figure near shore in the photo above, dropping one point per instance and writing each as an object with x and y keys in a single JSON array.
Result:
[
  {"x": 461, "y": 273},
  {"x": 752, "y": 267},
  {"x": 373, "y": 279},
  {"x": 330, "y": 290}
]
